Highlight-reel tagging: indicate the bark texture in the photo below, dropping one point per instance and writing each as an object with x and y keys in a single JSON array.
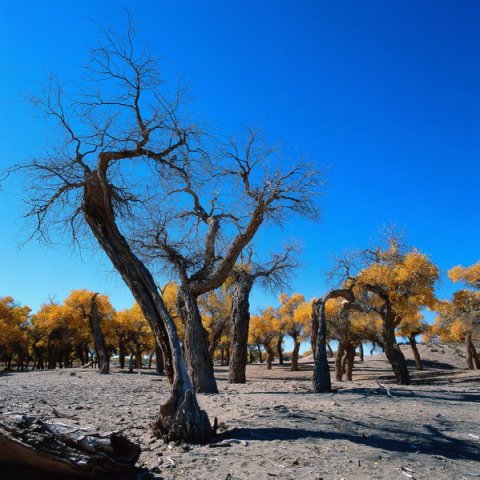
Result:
[
  {"x": 69, "y": 452},
  {"x": 395, "y": 355},
  {"x": 98, "y": 338},
  {"x": 321, "y": 381},
  {"x": 241, "y": 289},
  {"x": 199, "y": 361},
  {"x": 295, "y": 352}
]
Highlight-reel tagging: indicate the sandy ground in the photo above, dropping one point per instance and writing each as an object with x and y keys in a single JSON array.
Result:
[{"x": 364, "y": 430}]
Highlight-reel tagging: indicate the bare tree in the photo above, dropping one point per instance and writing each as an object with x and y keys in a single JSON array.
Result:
[
  {"x": 118, "y": 138},
  {"x": 253, "y": 186}
]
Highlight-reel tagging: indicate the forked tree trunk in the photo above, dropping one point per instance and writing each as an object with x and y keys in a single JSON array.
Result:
[
  {"x": 280, "y": 349},
  {"x": 98, "y": 338},
  {"x": 296, "y": 350},
  {"x": 241, "y": 289},
  {"x": 394, "y": 354},
  {"x": 199, "y": 361},
  {"x": 321, "y": 381},
  {"x": 339, "y": 362},
  {"x": 180, "y": 418},
  {"x": 416, "y": 354}
]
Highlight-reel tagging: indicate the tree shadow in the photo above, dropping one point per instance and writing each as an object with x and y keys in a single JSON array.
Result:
[
  {"x": 432, "y": 442},
  {"x": 438, "y": 394}
]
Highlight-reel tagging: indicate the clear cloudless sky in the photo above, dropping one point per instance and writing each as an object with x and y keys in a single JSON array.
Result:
[{"x": 384, "y": 95}]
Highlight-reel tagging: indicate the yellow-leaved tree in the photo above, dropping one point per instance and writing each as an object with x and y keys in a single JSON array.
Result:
[
  {"x": 399, "y": 282},
  {"x": 263, "y": 331},
  {"x": 293, "y": 323},
  {"x": 459, "y": 319},
  {"x": 14, "y": 326}
]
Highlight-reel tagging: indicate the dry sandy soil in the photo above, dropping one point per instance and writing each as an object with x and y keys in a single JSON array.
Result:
[{"x": 364, "y": 430}]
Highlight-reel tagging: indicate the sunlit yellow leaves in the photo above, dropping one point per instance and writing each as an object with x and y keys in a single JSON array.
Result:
[{"x": 468, "y": 275}]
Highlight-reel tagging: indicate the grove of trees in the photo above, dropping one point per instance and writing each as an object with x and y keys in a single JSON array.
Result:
[{"x": 132, "y": 170}]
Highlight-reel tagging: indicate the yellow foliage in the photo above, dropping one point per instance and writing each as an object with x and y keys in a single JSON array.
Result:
[{"x": 469, "y": 275}]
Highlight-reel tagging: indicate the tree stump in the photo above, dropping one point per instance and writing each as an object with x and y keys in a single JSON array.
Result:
[{"x": 64, "y": 451}]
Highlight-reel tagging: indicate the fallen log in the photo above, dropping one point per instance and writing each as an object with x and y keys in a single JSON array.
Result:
[{"x": 65, "y": 451}]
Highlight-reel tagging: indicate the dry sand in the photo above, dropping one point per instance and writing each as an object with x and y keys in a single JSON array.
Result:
[{"x": 429, "y": 430}]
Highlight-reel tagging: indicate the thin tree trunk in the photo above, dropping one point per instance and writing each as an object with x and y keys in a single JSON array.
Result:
[
  {"x": 199, "y": 361},
  {"x": 350, "y": 359},
  {"x": 296, "y": 349},
  {"x": 361, "y": 353},
  {"x": 314, "y": 326},
  {"x": 241, "y": 289},
  {"x": 260, "y": 359},
  {"x": 321, "y": 381},
  {"x": 270, "y": 356},
  {"x": 121, "y": 352},
  {"x": 338, "y": 362},
  {"x": 330, "y": 351},
  {"x": 180, "y": 418},
  {"x": 159, "y": 360},
  {"x": 416, "y": 354},
  {"x": 251, "y": 356},
  {"x": 130, "y": 364},
  {"x": 98, "y": 337},
  {"x": 280, "y": 349},
  {"x": 469, "y": 351}
]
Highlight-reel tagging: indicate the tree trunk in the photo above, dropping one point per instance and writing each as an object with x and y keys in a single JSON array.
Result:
[
  {"x": 476, "y": 357},
  {"x": 270, "y": 355},
  {"x": 330, "y": 351},
  {"x": 296, "y": 349},
  {"x": 339, "y": 362},
  {"x": 180, "y": 418},
  {"x": 469, "y": 351},
  {"x": 416, "y": 354},
  {"x": 350, "y": 359},
  {"x": 30, "y": 446},
  {"x": 199, "y": 361},
  {"x": 280, "y": 349},
  {"x": 121, "y": 352},
  {"x": 314, "y": 326},
  {"x": 321, "y": 381},
  {"x": 361, "y": 353},
  {"x": 260, "y": 359},
  {"x": 98, "y": 337},
  {"x": 241, "y": 289},
  {"x": 159, "y": 360},
  {"x": 394, "y": 354},
  {"x": 130, "y": 363}
]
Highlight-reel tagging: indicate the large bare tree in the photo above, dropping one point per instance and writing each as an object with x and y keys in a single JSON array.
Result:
[
  {"x": 214, "y": 214},
  {"x": 119, "y": 138}
]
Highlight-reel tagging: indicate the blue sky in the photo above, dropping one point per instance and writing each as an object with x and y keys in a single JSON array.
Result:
[{"x": 384, "y": 96}]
